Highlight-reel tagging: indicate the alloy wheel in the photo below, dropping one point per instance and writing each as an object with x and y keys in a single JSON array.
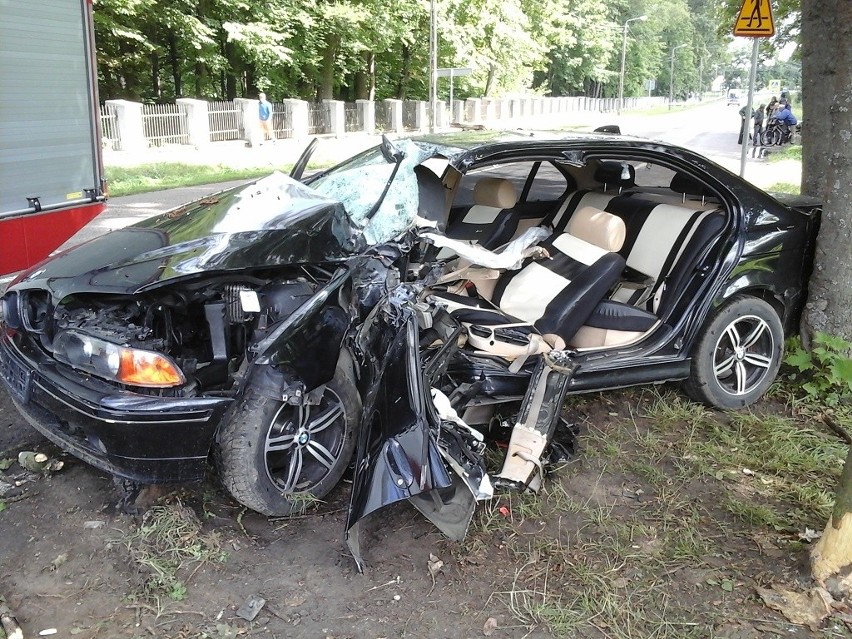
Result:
[
  {"x": 743, "y": 355},
  {"x": 304, "y": 443}
]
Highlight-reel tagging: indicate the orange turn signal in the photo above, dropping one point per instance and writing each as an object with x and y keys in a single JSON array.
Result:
[{"x": 144, "y": 368}]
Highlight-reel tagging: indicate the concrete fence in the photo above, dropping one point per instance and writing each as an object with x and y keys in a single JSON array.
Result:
[{"x": 129, "y": 126}]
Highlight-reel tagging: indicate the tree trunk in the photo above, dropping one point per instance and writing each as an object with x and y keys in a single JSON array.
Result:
[
  {"x": 404, "y": 74},
  {"x": 365, "y": 78},
  {"x": 827, "y": 165},
  {"x": 174, "y": 60},
  {"x": 489, "y": 80},
  {"x": 200, "y": 77},
  {"x": 827, "y": 174},
  {"x": 371, "y": 73},
  {"x": 833, "y": 552},
  {"x": 232, "y": 71},
  {"x": 329, "y": 56},
  {"x": 155, "y": 75}
]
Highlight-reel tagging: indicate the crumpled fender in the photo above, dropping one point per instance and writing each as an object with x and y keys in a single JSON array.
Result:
[{"x": 405, "y": 450}]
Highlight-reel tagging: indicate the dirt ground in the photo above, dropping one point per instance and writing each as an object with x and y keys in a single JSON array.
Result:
[{"x": 607, "y": 550}]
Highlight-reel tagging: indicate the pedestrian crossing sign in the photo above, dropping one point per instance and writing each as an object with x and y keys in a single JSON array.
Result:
[{"x": 755, "y": 20}]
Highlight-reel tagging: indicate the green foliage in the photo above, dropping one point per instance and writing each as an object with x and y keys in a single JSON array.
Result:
[
  {"x": 157, "y": 50},
  {"x": 825, "y": 372}
]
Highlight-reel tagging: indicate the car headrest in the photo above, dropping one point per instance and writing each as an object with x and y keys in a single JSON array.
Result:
[
  {"x": 495, "y": 192},
  {"x": 614, "y": 173},
  {"x": 687, "y": 185},
  {"x": 598, "y": 227}
]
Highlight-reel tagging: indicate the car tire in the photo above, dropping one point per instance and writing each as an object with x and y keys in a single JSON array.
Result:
[
  {"x": 737, "y": 354},
  {"x": 276, "y": 458}
]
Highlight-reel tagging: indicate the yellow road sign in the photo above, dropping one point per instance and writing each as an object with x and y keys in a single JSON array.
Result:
[{"x": 755, "y": 20}]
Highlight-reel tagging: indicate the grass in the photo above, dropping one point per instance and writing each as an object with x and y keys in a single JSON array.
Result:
[
  {"x": 168, "y": 175},
  {"x": 792, "y": 152},
  {"x": 168, "y": 548},
  {"x": 785, "y": 187},
  {"x": 663, "y": 485}
]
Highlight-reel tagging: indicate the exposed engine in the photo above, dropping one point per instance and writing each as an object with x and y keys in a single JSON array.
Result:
[{"x": 206, "y": 329}]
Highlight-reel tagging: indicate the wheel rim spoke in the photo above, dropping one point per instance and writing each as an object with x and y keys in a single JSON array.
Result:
[
  {"x": 725, "y": 365},
  {"x": 325, "y": 419},
  {"x": 742, "y": 377},
  {"x": 752, "y": 337},
  {"x": 322, "y": 454},
  {"x": 303, "y": 415},
  {"x": 293, "y": 471},
  {"x": 280, "y": 442},
  {"x": 733, "y": 335},
  {"x": 761, "y": 361}
]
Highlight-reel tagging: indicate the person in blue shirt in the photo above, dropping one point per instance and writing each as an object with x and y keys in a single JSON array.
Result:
[
  {"x": 264, "y": 114},
  {"x": 786, "y": 119}
]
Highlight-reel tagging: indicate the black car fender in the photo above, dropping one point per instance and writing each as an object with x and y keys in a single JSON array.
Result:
[{"x": 302, "y": 352}]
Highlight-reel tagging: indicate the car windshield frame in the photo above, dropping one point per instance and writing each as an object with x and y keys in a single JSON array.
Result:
[{"x": 359, "y": 182}]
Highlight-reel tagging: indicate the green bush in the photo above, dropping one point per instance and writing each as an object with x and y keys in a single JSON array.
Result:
[{"x": 825, "y": 372}]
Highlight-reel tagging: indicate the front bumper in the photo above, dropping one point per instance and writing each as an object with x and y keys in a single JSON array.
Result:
[{"x": 142, "y": 438}]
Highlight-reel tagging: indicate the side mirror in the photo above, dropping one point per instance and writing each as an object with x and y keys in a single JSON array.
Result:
[{"x": 609, "y": 128}]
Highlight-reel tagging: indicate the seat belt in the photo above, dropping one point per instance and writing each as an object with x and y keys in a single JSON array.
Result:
[{"x": 652, "y": 302}]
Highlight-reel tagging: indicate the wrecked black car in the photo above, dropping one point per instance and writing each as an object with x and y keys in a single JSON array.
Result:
[{"x": 394, "y": 311}]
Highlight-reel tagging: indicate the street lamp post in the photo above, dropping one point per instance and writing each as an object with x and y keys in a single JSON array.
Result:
[
  {"x": 671, "y": 73},
  {"x": 623, "y": 56}
]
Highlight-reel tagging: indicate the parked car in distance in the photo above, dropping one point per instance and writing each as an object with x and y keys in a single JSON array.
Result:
[
  {"x": 733, "y": 98},
  {"x": 400, "y": 309}
]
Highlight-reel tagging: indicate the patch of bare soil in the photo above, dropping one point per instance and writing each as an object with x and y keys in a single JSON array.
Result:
[{"x": 623, "y": 542}]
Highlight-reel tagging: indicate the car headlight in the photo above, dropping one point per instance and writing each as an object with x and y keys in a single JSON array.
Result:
[{"x": 119, "y": 363}]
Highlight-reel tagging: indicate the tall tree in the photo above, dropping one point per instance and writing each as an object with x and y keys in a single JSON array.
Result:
[{"x": 827, "y": 174}]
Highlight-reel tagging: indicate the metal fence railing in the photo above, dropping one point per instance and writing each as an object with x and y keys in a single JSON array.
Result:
[
  {"x": 353, "y": 117},
  {"x": 110, "y": 131},
  {"x": 318, "y": 120},
  {"x": 164, "y": 124},
  {"x": 232, "y": 120},
  {"x": 384, "y": 120},
  {"x": 225, "y": 121},
  {"x": 409, "y": 115},
  {"x": 282, "y": 120}
]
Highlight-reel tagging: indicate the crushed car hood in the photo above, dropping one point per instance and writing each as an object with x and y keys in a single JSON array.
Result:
[{"x": 271, "y": 222}]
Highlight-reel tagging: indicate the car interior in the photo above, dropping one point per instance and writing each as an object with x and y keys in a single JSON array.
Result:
[{"x": 629, "y": 244}]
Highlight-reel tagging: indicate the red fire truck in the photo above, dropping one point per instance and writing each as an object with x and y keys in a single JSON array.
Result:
[{"x": 51, "y": 168}]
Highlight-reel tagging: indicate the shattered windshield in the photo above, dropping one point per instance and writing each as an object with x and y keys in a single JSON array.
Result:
[{"x": 359, "y": 182}]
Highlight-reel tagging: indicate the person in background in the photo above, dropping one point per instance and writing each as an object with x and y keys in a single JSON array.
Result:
[
  {"x": 264, "y": 114},
  {"x": 785, "y": 117},
  {"x": 758, "y": 125},
  {"x": 743, "y": 125},
  {"x": 770, "y": 108}
]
